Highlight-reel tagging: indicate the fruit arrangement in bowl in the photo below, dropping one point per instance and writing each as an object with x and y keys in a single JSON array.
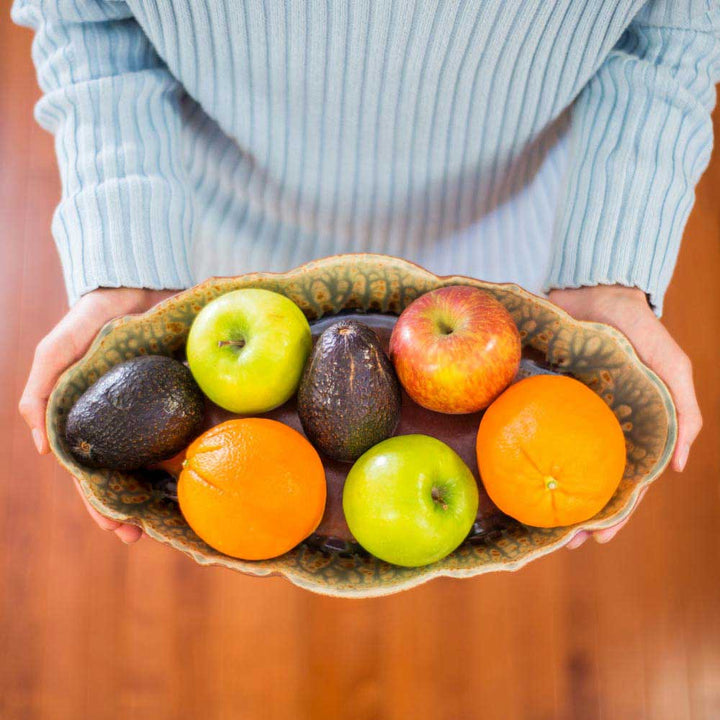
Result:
[{"x": 360, "y": 425}]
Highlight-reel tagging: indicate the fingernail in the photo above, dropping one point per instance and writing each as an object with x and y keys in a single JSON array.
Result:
[
  {"x": 37, "y": 439},
  {"x": 682, "y": 457},
  {"x": 601, "y": 539}
]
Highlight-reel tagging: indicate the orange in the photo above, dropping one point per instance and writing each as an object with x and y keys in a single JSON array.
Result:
[
  {"x": 550, "y": 451},
  {"x": 252, "y": 488}
]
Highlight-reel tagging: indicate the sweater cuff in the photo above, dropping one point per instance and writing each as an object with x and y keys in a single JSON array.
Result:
[
  {"x": 128, "y": 232},
  {"x": 638, "y": 144},
  {"x": 587, "y": 261},
  {"x": 622, "y": 216}
]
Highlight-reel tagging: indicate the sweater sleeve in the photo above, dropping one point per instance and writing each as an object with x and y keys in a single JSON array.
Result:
[
  {"x": 124, "y": 217},
  {"x": 640, "y": 138}
]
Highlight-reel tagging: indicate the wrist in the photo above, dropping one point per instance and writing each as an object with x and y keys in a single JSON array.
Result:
[
  {"x": 598, "y": 302},
  {"x": 112, "y": 302}
]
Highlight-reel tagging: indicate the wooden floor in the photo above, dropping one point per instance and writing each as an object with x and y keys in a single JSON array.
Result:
[{"x": 92, "y": 629}]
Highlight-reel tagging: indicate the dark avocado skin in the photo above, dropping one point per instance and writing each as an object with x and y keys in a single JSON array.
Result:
[
  {"x": 142, "y": 411},
  {"x": 349, "y": 397}
]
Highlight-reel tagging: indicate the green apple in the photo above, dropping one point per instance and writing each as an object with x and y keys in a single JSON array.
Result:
[
  {"x": 247, "y": 350},
  {"x": 410, "y": 500}
]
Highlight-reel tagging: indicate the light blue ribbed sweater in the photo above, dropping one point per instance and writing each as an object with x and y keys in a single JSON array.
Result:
[{"x": 555, "y": 143}]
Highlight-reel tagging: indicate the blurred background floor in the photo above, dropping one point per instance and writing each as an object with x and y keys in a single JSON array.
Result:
[{"x": 90, "y": 628}]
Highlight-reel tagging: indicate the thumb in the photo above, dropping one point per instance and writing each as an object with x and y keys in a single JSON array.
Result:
[{"x": 67, "y": 343}]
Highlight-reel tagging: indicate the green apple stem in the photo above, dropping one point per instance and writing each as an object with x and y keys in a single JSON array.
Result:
[
  {"x": 234, "y": 343},
  {"x": 438, "y": 498}
]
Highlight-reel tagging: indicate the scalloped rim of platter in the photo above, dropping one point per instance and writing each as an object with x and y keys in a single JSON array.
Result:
[{"x": 426, "y": 573}]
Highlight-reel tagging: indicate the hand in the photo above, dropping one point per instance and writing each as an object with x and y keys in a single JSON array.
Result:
[
  {"x": 65, "y": 344},
  {"x": 627, "y": 310}
]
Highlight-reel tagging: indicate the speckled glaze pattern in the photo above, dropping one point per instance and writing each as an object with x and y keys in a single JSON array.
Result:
[{"x": 596, "y": 354}]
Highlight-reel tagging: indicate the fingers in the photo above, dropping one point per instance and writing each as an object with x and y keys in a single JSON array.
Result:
[
  {"x": 578, "y": 540},
  {"x": 52, "y": 356},
  {"x": 57, "y": 351},
  {"x": 606, "y": 535},
  {"x": 690, "y": 421},
  {"x": 100, "y": 520},
  {"x": 657, "y": 349},
  {"x": 600, "y": 536},
  {"x": 674, "y": 367},
  {"x": 127, "y": 533}
]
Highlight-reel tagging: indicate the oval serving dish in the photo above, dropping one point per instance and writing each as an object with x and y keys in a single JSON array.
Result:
[{"x": 596, "y": 354}]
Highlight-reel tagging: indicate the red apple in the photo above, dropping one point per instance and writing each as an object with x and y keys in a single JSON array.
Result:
[{"x": 455, "y": 349}]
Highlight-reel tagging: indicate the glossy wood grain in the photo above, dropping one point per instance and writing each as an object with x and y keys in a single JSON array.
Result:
[{"x": 90, "y": 628}]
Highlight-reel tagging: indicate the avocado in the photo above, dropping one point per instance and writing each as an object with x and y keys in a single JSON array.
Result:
[
  {"x": 142, "y": 411},
  {"x": 349, "y": 397}
]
